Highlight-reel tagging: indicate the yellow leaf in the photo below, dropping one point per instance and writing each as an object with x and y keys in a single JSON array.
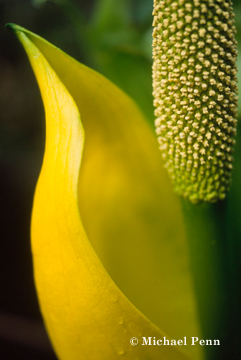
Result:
[{"x": 133, "y": 221}]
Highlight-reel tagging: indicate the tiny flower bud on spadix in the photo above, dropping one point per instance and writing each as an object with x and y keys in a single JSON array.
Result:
[{"x": 195, "y": 94}]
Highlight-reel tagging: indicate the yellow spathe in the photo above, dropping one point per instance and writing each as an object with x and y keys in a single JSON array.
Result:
[{"x": 132, "y": 219}]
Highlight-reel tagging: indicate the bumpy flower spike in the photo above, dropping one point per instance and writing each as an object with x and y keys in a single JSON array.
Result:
[{"x": 195, "y": 94}]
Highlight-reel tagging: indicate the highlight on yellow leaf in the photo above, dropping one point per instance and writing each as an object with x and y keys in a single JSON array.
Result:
[{"x": 119, "y": 195}]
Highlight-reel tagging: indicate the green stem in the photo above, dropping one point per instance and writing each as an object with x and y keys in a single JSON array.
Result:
[
  {"x": 234, "y": 239},
  {"x": 209, "y": 260}
]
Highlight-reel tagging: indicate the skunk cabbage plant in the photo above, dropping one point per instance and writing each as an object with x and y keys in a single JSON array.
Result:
[{"x": 115, "y": 273}]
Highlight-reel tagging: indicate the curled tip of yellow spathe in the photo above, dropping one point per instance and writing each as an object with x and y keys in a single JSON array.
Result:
[{"x": 195, "y": 94}]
